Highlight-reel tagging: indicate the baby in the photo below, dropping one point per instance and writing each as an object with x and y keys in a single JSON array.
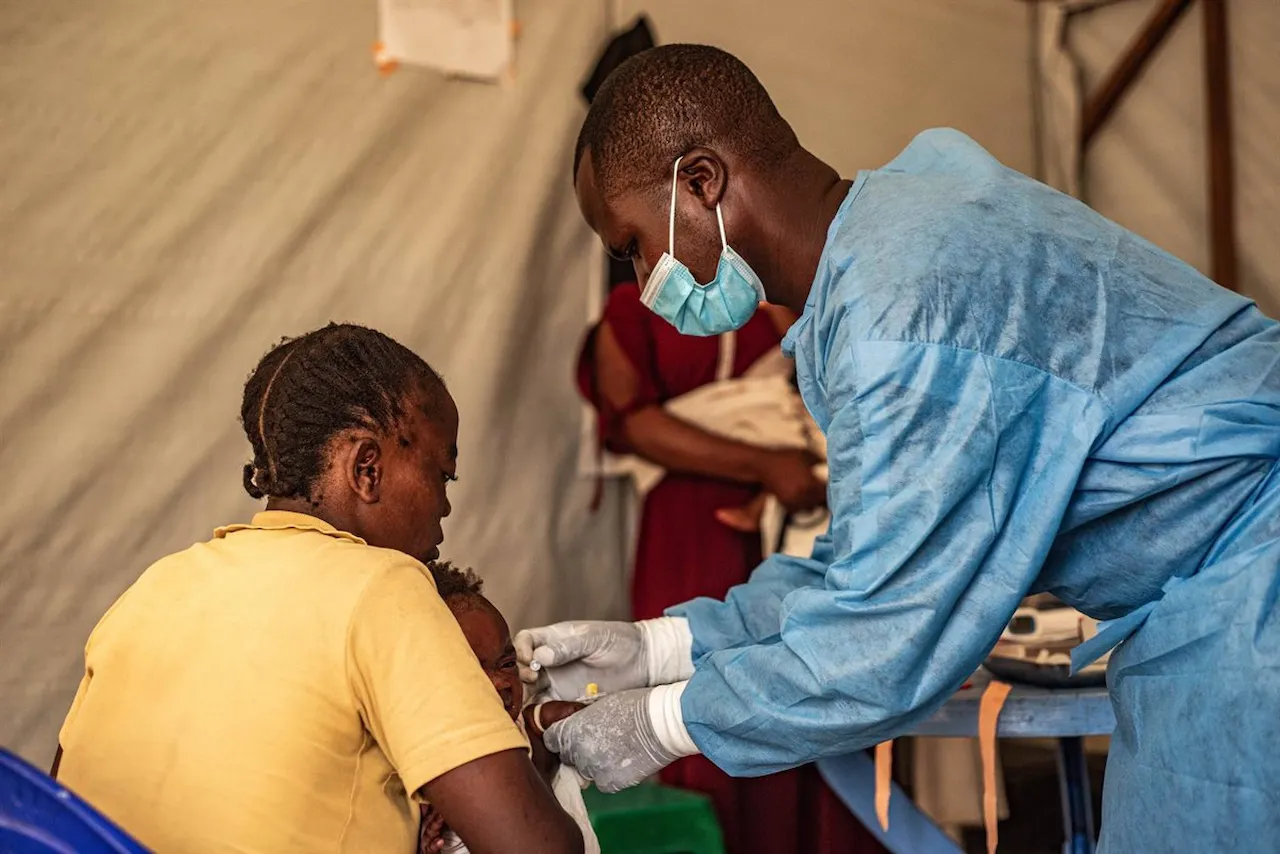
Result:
[{"x": 490, "y": 638}]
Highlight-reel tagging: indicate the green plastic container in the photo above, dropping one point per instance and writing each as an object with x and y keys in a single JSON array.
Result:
[{"x": 654, "y": 819}]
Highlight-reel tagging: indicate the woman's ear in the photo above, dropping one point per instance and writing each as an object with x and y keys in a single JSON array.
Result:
[
  {"x": 364, "y": 468},
  {"x": 703, "y": 174}
]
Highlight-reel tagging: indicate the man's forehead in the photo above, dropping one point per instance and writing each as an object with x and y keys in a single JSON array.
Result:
[
  {"x": 612, "y": 217},
  {"x": 584, "y": 186}
]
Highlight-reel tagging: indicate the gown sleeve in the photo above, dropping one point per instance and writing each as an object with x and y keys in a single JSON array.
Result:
[
  {"x": 950, "y": 473},
  {"x": 750, "y": 612}
]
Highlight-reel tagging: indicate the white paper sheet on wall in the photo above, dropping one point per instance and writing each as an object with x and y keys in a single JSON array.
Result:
[{"x": 468, "y": 38}]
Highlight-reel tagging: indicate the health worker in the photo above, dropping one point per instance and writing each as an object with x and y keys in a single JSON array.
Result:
[{"x": 1018, "y": 395}]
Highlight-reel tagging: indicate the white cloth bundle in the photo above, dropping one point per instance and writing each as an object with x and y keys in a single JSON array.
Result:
[
  {"x": 567, "y": 786},
  {"x": 760, "y": 408}
]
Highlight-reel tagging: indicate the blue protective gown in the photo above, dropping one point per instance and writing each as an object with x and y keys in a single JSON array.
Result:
[{"x": 1020, "y": 396}]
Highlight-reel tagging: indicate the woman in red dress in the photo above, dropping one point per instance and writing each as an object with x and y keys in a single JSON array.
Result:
[{"x": 632, "y": 364}]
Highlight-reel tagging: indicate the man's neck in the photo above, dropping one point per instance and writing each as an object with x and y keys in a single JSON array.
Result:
[{"x": 813, "y": 192}]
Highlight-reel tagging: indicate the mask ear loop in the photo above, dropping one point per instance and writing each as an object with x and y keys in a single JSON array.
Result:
[{"x": 671, "y": 222}]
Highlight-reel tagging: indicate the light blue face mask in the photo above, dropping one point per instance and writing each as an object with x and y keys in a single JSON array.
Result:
[{"x": 722, "y": 305}]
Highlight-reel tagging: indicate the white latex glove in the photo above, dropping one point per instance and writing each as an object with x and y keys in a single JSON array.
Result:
[
  {"x": 615, "y": 656},
  {"x": 624, "y": 739}
]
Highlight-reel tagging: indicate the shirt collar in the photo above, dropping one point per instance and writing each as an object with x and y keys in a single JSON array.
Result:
[{"x": 283, "y": 520}]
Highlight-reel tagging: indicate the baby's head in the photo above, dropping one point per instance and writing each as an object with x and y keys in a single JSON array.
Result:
[{"x": 484, "y": 628}]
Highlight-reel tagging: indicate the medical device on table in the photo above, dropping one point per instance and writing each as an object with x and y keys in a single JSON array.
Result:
[
  {"x": 1035, "y": 648},
  {"x": 1045, "y": 627}
]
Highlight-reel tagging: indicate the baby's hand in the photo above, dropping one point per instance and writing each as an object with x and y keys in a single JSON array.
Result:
[
  {"x": 745, "y": 519},
  {"x": 541, "y": 716},
  {"x": 430, "y": 830},
  {"x": 536, "y": 720}
]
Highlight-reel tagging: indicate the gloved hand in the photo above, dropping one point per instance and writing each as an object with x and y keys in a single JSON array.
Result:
[
  {"x": 615, "y": 656},
  {"x": 623, "y": 739}
]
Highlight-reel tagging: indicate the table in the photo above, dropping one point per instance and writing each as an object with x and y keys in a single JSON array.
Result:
[{"x": 1067, "y": 715}]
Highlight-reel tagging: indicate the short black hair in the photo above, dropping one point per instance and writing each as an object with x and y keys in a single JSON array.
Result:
[
  {"x": 308, "y": 389},
  {"x": 452, "y": 582},
  {"x": 663, "y": 102}
]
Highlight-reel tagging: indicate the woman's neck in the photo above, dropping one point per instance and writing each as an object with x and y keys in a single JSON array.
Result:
[{"x": 341, "y": 521}]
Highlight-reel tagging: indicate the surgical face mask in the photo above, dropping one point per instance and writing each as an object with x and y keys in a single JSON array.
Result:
[{"x": 722, "y": 305}]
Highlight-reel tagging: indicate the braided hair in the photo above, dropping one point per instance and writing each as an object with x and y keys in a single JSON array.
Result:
[{"x": 308, "y": 389}]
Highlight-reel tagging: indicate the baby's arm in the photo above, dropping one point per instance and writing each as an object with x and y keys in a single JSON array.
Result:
[{"x": 536, "y": 720}]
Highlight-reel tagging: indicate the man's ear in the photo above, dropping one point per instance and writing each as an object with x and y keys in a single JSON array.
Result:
[
  {"x": 703, "y": 174},
  {"x": 363, "y": 466}
]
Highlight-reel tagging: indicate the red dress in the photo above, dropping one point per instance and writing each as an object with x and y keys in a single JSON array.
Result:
[{"x": 683, "y": 552}]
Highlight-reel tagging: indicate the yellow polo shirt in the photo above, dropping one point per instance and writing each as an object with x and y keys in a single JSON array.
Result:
[{"x": 280, "y": 688}]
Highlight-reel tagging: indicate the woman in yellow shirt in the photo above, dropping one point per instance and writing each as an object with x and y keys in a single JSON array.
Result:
[{"x": 296, "y": 683}]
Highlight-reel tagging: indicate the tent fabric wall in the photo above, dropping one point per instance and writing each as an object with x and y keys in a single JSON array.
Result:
[
  {"x": 858, "y": 80},
  {"x": 184, "y": 183},
  {"x": 1146, "y": 168}
]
